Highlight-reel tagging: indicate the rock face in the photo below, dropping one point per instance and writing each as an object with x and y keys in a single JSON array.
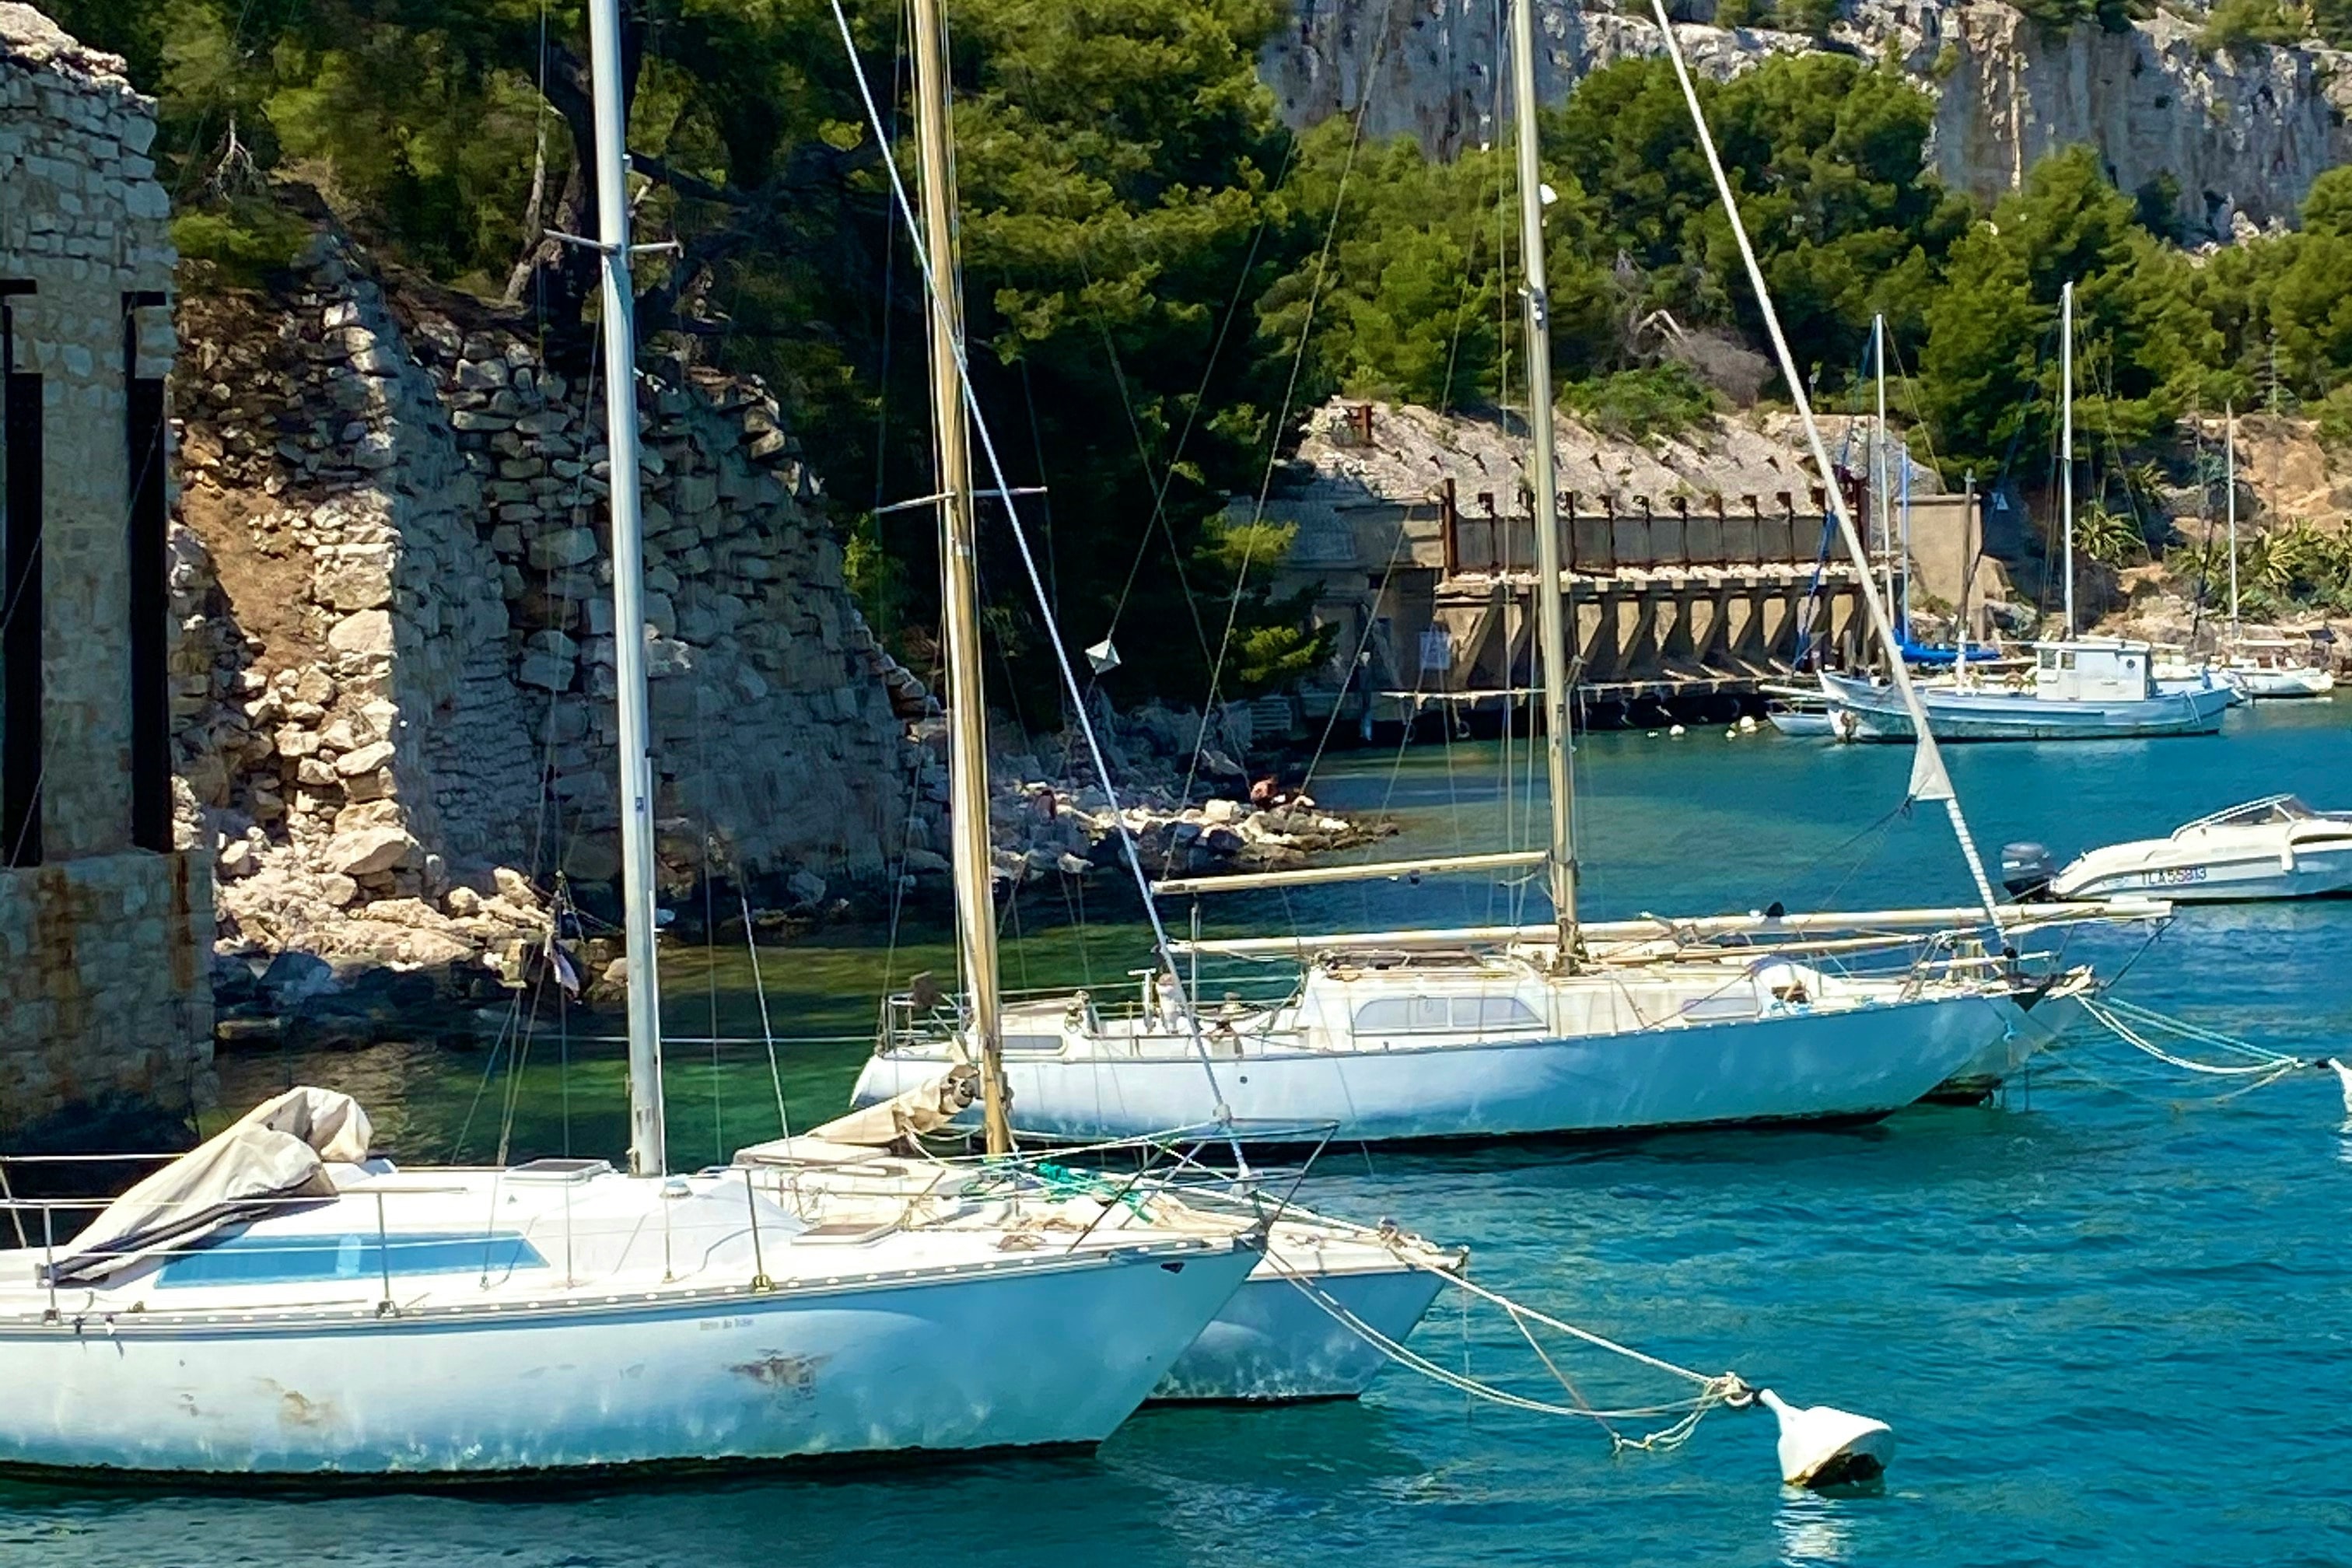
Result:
[
  {"x": 395, "y": 674},
  {"x": 2242, "y": 130}
]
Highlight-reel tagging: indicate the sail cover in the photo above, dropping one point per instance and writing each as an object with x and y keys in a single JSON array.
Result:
[
  {"x": 278, "y": 1150},
  {"x": 887, "y": 1124}
]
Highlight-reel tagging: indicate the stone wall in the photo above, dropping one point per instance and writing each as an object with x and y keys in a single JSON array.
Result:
[
  {"x": 2245, "y": 131},
  {"x": 103, "y": 982},
  {"x": 398, "y": 677}
]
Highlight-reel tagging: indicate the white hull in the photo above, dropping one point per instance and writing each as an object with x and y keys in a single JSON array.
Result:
[
  {"x": 1275, "y": 1342},
  {"x": 1814, "y": 724},
  {"x": 2022, "y": 716},
  {"x": 2221, "y": 880},
  {"x": 1861, "y": 1061},
  {"x": 2276, "y": 847},
  {"x": 853, "y": 1369},
  {"x": 2271, "y": 685}
]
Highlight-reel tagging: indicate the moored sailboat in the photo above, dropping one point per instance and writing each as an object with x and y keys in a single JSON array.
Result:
[
  {"x": 1504, "y": 1033},
  {"x": 282, "y": 1303},
  {"x": 1285, "y": 1333}
]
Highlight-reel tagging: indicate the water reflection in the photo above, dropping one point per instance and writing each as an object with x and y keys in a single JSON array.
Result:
[{"x": 1813, "y": 1527}]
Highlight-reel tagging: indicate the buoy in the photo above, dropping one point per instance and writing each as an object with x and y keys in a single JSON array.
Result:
[
  {"x": 1674, "y": 730},
  {"x": 2344, "y": 1077},
  {"x": 1748, "y": 723},
  {"x": 1822, "y": 1446}
]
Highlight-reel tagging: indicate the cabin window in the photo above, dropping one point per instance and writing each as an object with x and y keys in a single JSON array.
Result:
[
  {"x": 1445, "y": 1014},
  {"x": 250, "y": 1260},
  {"x": 2066, "y": 658},
  {"x": 2048, "y": 659},
  {"x": 1032, "y": 1045}
]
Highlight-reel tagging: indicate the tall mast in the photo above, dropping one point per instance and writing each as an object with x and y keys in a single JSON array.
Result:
[
  {"x": 1878, "y": 484},
  {"x": 1551, "y": 586},
  {"x": 2229, "y": 481},
  {"x": 2067, "y": 436},
  {"x": 648, "y": 1152},
  {"x": 959, "y": 587}
]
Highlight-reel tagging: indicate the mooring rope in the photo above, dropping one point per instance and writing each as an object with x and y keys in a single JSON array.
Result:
[
  {"x": 2132, "y": 1025},
  {"x": 1714, "y": 1391}
]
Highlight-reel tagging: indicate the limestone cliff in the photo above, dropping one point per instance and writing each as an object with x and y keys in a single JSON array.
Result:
[{"x": 2242, "y": 131}]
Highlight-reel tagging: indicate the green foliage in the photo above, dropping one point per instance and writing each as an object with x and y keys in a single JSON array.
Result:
[
  {"x": 2110, "y": 538},
  {"x": 1811, "y": 17},
  {"x": 1640, "y": 404},
  {"x": 1410, "y": 289},
  {"x": 2243, "y": 23},
  {"x": 1272, "y": 647},
  {"x": 247, "y": 239}
]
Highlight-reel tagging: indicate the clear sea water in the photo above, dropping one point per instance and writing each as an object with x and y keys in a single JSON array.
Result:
[{"x": 2110, "y": 1318}]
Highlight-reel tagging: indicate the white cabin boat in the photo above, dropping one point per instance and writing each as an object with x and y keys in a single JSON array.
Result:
[
  {"x": 2275, "y": 848},
  {"x": 2082, "y": 688}
]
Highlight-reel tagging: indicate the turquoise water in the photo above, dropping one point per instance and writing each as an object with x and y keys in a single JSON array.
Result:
[{"x": 2111, "y": 1319}]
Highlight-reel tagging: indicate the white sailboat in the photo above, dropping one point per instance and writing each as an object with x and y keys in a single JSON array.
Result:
[
  {"x": 280, "y": 1303},
  {"x": 2267, "y": 668},
  {"x": 1562, "y": 1028},
  {"x": 2080, "y": 688},
  {"x": 1287, "y": 1333}
]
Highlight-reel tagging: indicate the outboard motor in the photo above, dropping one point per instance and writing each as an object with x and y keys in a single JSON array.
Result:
[{"x": 2027, "y": 871}]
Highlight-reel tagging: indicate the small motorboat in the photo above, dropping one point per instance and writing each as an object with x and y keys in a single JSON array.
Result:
[
  {"x": 1803, "y": 712},
  {"x": 2275, "y": 847},
  {"x": 2268, "y": 669}
]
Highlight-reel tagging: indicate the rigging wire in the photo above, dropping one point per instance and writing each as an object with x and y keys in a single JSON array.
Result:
[{"x": 934, "y": 287}]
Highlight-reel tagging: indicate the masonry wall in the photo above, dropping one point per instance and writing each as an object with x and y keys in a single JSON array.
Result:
[{"x": 103, "y": 946}]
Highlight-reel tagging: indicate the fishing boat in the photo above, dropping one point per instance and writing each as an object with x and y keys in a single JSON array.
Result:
[
  {"x": 2275, "y": 847},
  {"x": 2270, "y": 668},
  {"x": 1506, "y": 1032},
  {"x": 282, "y": 1304},
  {"x": 2080, "y": 688},
  {"x": 1296, "y": 1329}
]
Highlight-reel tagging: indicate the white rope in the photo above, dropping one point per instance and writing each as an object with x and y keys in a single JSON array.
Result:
[
  {"x": 2120, "y": 1016},
  {"x": 1728, "y": 1389}
]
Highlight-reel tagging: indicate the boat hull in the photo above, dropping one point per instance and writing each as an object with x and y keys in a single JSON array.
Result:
[
  {"x": 2219, "y": 878},
  {"x": 1275, "y": 1342},
  {"x": 1850, "y": 1063},
  {"x": 2274, "y": 685},
  {"x": 1879, "y": 714},
  {"x": 982, "y": 1363}
]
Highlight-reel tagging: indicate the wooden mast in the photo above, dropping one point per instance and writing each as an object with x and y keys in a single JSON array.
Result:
[
  {"x": 1551, "y": 586},
  {"x": 958, "y": 586}
]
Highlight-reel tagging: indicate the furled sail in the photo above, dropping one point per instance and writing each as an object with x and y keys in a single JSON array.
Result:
[{"x": 276, "y": 1152}]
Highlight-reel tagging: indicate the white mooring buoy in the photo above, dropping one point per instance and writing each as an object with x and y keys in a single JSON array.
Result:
[
  {"x": 1822, "y": 1446},
  {"x": 1674, "y": 730}
]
